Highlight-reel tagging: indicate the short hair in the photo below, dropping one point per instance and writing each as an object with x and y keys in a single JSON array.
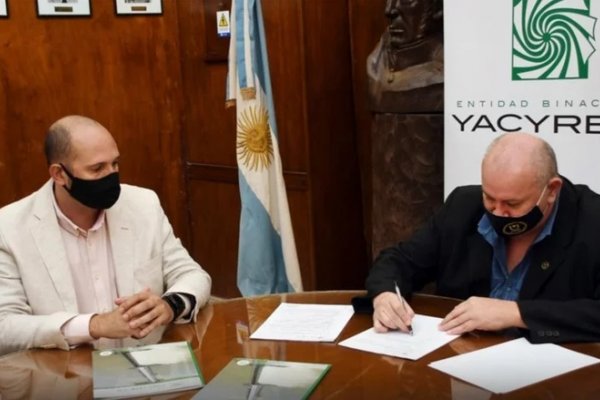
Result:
[
  {"x": 57, "y": 145},
  {"x": 543, "y": 159}
]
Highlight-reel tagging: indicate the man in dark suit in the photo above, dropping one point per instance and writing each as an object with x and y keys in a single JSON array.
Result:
[{"x": 523, "y": 249}]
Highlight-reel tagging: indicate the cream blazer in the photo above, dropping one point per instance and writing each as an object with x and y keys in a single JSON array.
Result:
[{"x": 36, "y": 292}]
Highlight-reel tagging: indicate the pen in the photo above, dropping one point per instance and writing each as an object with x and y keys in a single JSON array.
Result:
[{"x": 410, "y": 329}]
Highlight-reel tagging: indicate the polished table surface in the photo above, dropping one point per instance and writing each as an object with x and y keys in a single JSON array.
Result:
[{"x": 222, "y": 331}]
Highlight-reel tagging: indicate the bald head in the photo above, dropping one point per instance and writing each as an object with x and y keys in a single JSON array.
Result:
[
  {"x": 59, "y": 142},
  {"x": 521, "y": 155}
]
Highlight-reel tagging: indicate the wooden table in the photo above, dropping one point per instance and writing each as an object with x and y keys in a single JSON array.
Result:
[{"x": 222, "y": 331}]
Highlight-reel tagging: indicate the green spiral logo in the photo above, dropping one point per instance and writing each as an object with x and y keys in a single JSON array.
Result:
[{"x": 552, "y": 39}]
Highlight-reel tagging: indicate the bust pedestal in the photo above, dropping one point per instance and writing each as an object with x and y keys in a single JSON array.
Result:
[{"x": 407, "y": 140}]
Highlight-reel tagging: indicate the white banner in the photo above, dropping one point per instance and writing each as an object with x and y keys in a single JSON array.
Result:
[{"x": 522, "y": 65}]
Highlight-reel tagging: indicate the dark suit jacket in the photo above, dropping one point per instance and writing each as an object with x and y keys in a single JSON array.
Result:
[{"x": 560, "y": 297}]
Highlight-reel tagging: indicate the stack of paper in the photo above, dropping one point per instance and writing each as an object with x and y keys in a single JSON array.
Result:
[
  {"x": 305, "y": 322},
  {"x": 513, "y": 365},
  {"x": 426, "y": 337}
]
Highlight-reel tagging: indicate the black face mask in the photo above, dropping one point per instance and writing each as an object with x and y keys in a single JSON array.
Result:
[
  {"x": 95, "y": 193},
  {"x": 513, "y": 226}
]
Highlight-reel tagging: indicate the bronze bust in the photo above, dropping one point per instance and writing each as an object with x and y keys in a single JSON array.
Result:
[
  {"x": 406, "y": 96},
  {"x": 409, "y": 55},
  {"x": 411, "y": 23}
]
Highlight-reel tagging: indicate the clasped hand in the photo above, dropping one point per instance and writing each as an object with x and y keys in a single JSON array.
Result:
[
  {"x": 134, "y": 316},
  {"x": 480, "y": 313}
]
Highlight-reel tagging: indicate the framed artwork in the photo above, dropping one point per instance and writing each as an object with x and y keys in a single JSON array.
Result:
[
  {"x": 3, "y": 9},
  {"x": 64, "y": 8},
  {"x": 134, "y": 7}
]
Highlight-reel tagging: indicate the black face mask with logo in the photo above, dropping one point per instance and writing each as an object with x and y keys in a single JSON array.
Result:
[
  {"x": 513, "y": 226},
  {"x": 99, "y": 194}
]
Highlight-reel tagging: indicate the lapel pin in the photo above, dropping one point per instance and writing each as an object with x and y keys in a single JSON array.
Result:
[{"x": 545, "y": 265}]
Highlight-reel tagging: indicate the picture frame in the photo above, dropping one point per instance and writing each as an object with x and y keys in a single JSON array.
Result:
[
  {"x": 64, "y": 8},
  {"x": 3, "y": 9},
  {"x": 138, "y": 7}
]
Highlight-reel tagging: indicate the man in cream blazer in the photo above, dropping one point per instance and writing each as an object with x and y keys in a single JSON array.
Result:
[{"x": 54, "y": 271}]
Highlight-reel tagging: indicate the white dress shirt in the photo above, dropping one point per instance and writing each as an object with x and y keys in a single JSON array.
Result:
[{"x": 92, "y": 272}]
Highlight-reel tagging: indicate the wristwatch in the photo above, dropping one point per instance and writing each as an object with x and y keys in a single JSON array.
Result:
[{"x": 176, "y": 303}]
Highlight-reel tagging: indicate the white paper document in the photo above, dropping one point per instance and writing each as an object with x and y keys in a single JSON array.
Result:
[
  {"x": 513, "y": 365},
  {"x": 426, "y": 338},
  {"x": 305, "y": 322}
]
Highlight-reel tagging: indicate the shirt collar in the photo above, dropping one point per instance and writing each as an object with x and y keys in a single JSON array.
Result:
[{"x": 68, "y": 225}]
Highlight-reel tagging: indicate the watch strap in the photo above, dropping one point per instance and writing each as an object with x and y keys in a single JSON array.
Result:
[{"x": 176, "y": 303}]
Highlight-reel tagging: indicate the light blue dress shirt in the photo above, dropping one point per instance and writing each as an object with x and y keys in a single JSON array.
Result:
[{"x": 505, "y": 285}]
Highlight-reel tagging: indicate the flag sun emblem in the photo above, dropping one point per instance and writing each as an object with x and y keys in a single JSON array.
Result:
[{"x": 254, "y": 143}]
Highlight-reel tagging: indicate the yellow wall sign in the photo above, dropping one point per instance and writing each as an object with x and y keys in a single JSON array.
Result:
[{"x": 223, "y": 28}]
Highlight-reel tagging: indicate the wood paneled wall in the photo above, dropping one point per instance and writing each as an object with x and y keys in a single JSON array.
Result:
[
  {"x": 310, "y": 62},
  {"x": 367, "y": 23},
  {"x": 152, "y": 83},
  {"x": 123, "y": 72}
]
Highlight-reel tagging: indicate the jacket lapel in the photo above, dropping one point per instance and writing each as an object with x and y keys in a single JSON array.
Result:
[
  {"x": 549, "y": 254},
  {"x": 546, "y": 258},
  {"x": 48, "y": 240},
  {"x": 122, "y": 239}
]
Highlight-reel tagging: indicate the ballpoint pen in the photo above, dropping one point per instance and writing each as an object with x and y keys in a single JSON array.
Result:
[{"x": 410, "y": 329}]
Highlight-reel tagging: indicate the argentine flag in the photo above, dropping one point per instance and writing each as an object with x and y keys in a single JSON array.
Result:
[{"x": 267, "y": 259}]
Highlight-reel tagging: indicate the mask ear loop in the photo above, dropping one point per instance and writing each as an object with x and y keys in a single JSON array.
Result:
[
  {"x": 66, "y": 171},
  {"x": 71, "y": 177},
  {"x": 537, "y": 204}
]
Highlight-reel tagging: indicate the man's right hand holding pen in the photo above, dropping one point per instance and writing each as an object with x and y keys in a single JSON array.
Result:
[{"x": 392, "y": 312}]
